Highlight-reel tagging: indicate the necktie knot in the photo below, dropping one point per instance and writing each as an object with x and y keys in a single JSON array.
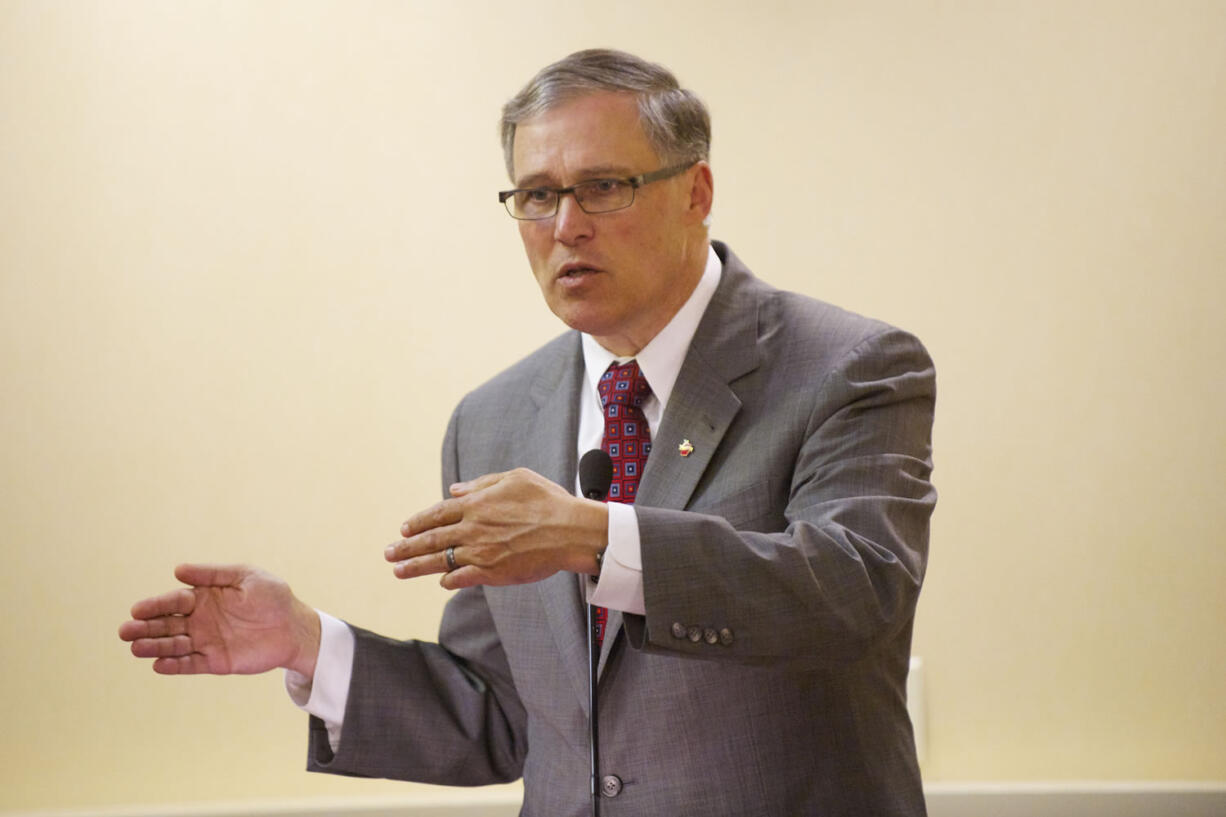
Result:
[{"x": 623, "y": 385}]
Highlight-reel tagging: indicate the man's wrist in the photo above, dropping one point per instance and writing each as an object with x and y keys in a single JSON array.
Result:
[
  {"x": 306, "y": 634},
  {"x": 592, "y": 537}
]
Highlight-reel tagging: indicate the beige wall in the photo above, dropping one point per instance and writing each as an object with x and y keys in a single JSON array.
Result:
[{"x": 250, "y": 257}]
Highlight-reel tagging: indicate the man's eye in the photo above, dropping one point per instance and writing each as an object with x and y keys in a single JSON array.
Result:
[
  {"x": 540, "y": 195},
  {"x": 605, "y": 185}
]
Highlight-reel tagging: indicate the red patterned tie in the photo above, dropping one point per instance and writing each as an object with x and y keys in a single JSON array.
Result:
[{"x": 627, "y": 439}]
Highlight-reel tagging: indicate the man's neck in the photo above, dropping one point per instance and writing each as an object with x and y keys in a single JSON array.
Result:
[{"x": 632, "y": 342}]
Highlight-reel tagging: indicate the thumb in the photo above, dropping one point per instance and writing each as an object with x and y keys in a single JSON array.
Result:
[{"x": 210, "y": 575}]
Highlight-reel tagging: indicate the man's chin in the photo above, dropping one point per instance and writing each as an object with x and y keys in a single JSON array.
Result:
[{"x": 582, "y": 320}]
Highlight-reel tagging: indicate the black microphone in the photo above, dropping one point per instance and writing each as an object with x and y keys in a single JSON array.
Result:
[
  {"x": 595, "y": 477},
  {"x": 595, "y": 474}
]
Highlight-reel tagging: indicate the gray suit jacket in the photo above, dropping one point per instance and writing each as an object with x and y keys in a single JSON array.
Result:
[{"x": 794, "y": 538}]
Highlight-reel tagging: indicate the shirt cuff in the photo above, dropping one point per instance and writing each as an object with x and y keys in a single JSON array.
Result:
[
  {"x": 620, "y": 586},
  {"x": 325, "y": 696}
]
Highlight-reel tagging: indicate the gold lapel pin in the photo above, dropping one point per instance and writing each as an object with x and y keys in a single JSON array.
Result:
[{"x": 685, "y": 449}]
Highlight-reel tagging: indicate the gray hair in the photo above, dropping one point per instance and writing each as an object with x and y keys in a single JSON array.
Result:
[{"x": 675, "y": 120}]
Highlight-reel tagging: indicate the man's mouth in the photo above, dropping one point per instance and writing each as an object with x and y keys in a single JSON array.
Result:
[{"x": 575, "y": 271}]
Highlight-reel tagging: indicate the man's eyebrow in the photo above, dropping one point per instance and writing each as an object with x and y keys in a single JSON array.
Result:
[{"x": 587, "y": 174}]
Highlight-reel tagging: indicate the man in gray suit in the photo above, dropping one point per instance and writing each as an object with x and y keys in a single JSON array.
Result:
[{"x": 761, "y": 587}]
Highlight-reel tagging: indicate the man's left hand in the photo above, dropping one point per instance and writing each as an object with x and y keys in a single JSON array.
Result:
[{"x": 513, "y": 527}]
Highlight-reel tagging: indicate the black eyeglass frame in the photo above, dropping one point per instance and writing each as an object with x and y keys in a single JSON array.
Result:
[{"x": 635, "y": 183}]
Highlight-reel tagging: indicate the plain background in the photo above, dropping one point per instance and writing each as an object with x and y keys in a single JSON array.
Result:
[{"x": 250, "y": 257}]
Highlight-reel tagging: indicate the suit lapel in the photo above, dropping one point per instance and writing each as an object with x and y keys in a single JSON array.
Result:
[
  {"x": 703, "y": 403},
  {"x": 548, "y": 447}
]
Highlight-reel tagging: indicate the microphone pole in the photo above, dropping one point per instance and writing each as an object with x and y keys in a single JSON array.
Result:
[
  {"x": 595, "y": 476},
  {"x": 592, "y": 734}
]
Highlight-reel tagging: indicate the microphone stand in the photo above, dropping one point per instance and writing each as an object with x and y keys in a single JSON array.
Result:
[
  {"x": 595, "y": 477},
  {"x": 593, "y": 739}
]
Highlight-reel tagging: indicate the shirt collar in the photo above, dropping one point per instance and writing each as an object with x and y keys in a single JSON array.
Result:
[{"x": 660, "y": 360}]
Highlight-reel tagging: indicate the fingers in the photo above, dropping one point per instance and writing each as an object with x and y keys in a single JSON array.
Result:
[
  {"x": 210, "y": 575},
  {"x": 179, "y": 602},
  {"x": 192, "y": 664},
  {"x": 438, "y": 515},
  {"x": 176, "y": 603},
  {"x": 467, "y": 576},
  {"x": 161, "y": 634},
  {"x": 483, "y": 520},
  {"x": 429, "y": 561},
  {"x": 153, "y": 628},
  {"x": 430, "y": 543},
  {"x": 425, "y": 534},
  {"x": 173, "y": 654},
  {"x": 168, "y": 628},
  {"x": 451, "y": 511},
  {"x": 482, "y": 482},
  {"x": 178, "y": 645},
  {"x": 417, "y": 542}
]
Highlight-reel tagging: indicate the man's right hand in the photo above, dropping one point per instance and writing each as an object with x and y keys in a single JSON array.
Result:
[{"x": 232, "y": 619}]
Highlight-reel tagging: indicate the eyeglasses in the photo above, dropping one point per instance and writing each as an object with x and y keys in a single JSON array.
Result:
[{"x": 595, "y": 196}]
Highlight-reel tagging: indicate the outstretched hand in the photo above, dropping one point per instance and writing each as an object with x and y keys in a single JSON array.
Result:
[{"x": 232, "y": 619}]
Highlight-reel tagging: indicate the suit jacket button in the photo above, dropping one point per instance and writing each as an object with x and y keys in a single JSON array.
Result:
[
  {"x": 610, "y": 785},
  {"x": 678, "y": 630},
  {"x": 710, "y": 636},
  {"x": 725, "y": 637},
  {"x": 695, "y": 634}
]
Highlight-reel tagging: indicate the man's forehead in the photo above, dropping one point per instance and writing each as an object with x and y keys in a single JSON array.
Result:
[
  {"x": 598, "y": 134},
  {"x": 553, "y": 175}
]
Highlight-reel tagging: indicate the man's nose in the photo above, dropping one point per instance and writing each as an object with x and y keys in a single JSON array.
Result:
[{"x": 571, "y": 224}]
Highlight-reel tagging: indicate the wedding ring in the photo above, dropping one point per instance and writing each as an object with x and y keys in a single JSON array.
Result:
[{"x": 449, "y": 553}]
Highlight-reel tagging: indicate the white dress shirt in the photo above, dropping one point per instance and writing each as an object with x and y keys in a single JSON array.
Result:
[{"x": 621, "y": 575}]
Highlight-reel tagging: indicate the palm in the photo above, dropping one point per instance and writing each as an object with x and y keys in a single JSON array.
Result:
[
  {"x": 231, "y": 620},
  {"x": 241, "y": 629}
]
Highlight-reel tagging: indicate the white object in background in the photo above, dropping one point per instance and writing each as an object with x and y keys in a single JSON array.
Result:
[{"x": 916, "y": 708}]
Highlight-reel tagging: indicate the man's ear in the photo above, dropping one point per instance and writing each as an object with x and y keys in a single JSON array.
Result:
[{"x": 702, "y": 192}]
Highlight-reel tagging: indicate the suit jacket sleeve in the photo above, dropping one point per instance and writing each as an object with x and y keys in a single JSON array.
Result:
[
  {"x": 443, "y": 713},
  {"x": 807, "y": 540}
]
